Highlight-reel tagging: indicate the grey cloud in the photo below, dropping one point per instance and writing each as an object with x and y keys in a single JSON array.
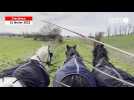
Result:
[{"x": 84, "y": 22}]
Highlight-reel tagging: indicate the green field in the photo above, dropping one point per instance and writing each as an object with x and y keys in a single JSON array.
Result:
[
  {"x": 123, "y": 42},
  {"x": 16, "y": 50}
]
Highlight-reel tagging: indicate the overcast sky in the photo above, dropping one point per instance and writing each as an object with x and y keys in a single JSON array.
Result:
[{"x": 83, "y": 22}]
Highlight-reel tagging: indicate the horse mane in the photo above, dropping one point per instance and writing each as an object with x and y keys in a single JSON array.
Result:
[
  {"x": 102, "y": 52},
  {"x": 77, "y": 56}
]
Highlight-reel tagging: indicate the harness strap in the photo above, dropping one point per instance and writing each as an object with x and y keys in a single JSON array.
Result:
[
  {"x": 41, "y": 60},
  {"x": 100, "y": 62},
  {"x": 62, "y": 83},
  {"x": 77, "y": 66},
  {"x": 115, "y": 72}
]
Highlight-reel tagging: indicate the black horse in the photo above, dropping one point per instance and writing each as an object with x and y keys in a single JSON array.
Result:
[
  {"x": 101, "y": 61},
  {"x": 31, "y": 73},
  {"x": 74, "y": 72}
]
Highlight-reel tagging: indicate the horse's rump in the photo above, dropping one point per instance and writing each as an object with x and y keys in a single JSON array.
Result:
[
  {"x": 126, "y": 76},
  {"x": 32, "y": 74},
  {"x": 75, "y": 80},
  {"x": 74, "y": 72},
  {"x": 66, "y": 74},
  {"x": 106, "y": 81}
]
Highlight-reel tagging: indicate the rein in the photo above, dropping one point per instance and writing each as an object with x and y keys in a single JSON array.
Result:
[{"x": 118, "y": 74}]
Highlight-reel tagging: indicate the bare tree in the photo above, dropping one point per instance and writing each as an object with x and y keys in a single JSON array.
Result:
[
  {"x": 132, "y": 30},
  {"x": 46, "y": 29},
  {"x": 50, "y": 32},
  {"x": 129, "y": 29},
  {"x": 115, "y": 30},
  {"x": 120, "y": 30},
  {"x": 125, "y": 30},
  {"x": 55, "y": 30},
  {"x": 98, "y": 37},
  {"x": 108, "y": 31}
]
